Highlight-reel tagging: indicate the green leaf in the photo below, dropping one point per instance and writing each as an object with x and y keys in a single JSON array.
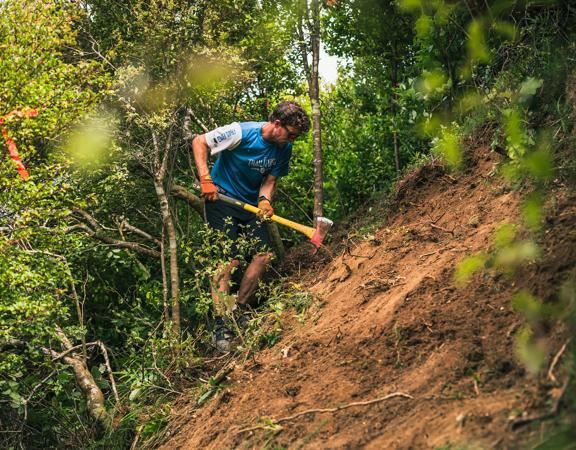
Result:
[
  {"x": 532, "y": 211},
  {"x": 529, "y": 306},
  {"x": 532, "y": 355},
  {"x": 424, "y": 26},
  {"x": 528, "y": 88},
  {"x": 539, "y": 164},
  {"x": 512, "y": 256},
  {"x": 477, "y": 47},
  {"x": 504, "y": 235},
  {"x": 468, "y": 267}
]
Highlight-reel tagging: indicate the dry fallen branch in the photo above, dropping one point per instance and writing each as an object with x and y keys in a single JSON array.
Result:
[
  {"x": 516, "y": 423},
  {"x": 428, "y": 254},
  {"x": 433, "y": 225},
  {"x": 274, "y": 422},
  {"x": 555, "y": 361},
  {"x": 354, "y": 255},
  {"x": 439, "y": 217}
]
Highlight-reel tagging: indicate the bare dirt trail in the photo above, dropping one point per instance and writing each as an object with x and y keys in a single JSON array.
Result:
[{"x": 391, "y": 320}]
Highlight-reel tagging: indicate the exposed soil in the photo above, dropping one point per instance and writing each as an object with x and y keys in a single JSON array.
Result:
[{"x": 389, "y": 319}]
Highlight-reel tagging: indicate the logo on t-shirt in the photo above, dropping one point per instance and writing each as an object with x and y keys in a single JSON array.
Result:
[
  {"x": 262, "y": 165},
  {"x": 223, "y": 136}
]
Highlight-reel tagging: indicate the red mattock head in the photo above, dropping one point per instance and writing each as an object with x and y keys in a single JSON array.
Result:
[
  {"x": 323, "y": 225},
  {"x": 10, "y": 142}
]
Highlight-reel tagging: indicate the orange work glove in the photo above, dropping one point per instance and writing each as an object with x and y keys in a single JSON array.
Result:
[
  {"x": 266, "y": 210},
  {"x": 209, "y": 191}
]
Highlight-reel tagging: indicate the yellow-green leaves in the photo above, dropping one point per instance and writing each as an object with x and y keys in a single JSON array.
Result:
[
  {"x": 468, "y": 267},
  {"x": 478, "y": 50},
  {"x": 468, "y": 101},
  {"x": 528, "y": 305},
  {"x": 515, "y": 137},
  {"x": 538, "y": 163},
  {"x": 504, "y": 235},
  {"x": 532, "y": 211},
  {"x": 447, "y": 145},
  {"x": 42, "y": 67},
  {"x": 90, "y": 144},
  {"x": 532, "y": 354},
  {"x": 511, "y": 256},
  {"x": 508, "y": 254},
  {"x": 432, "y": 83},
  {"x": 505, "y": 29},
  {"x": 424, "y": 25},
  {"x": 531, "y": 351},
  {"x": 528, "y": 89},
  {"x": 410, "y": 5}
]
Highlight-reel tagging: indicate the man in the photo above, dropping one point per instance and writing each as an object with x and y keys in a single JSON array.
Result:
[{"x": 251, "y": 158}]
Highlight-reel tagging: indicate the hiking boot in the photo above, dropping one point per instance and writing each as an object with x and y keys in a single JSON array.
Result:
[
  {"x": 242, "y": 315},
  {"x": 222, "y": 336}
]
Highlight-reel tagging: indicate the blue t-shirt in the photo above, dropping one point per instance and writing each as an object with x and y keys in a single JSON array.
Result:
[{"x": 245, "y": 159}]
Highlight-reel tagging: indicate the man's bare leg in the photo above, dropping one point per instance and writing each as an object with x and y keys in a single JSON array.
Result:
[{"x": 250, "y": 279}]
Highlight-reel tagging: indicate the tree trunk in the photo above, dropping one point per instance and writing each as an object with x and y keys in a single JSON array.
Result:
[
  {"x": 396, "y": 151},
  {"x": 394, "y": 98},
  {"x": 161, "y": 165},
  {"x": 171, "y": 232},
  {"x": 94, "y": 397},
  {"x": 314, "y": 93},
  {"x": 164, "y": 278},
  {"x": 93, "y": 394}
]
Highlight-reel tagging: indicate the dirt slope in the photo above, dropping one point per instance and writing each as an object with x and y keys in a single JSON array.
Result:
[{"x": 390, "y": 321}]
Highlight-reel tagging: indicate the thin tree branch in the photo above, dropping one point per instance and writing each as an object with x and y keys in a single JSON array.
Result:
[
  {"x": 184, "y": 194},
  {"x": 303, "y": 50},
  {"x": 210, "y": 118},
  {"x": 115, "y": 242},
  {"x": 89, "y": 218},
  {"x": 123, "y": 224},
  {"x": 190, "y": 115},
  {"x": 109, "y": 370},
  {"x": 164, "y": 165},
  {"x": 291, "y": 200},
  {"x": 56, "y": 356},
  {"x": 164, "y": 277}
]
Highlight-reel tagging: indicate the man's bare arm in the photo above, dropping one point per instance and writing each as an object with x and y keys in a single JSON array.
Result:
[
  {"x": 268, "y": 186},
  {"x": 201, "y": 151}
]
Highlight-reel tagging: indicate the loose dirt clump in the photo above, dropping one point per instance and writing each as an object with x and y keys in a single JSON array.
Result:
[{"x": 392, "y": 321}]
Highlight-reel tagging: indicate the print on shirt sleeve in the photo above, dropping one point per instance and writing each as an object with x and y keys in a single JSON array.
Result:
[{"x": 224, "y": 138}]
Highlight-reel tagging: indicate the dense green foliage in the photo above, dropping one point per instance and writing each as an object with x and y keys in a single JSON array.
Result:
[{"x": 115, "y": 82}]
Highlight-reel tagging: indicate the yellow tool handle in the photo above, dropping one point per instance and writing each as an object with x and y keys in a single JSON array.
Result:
[{"x": 307, "y": 231}]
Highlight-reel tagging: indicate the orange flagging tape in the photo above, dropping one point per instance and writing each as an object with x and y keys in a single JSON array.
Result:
[{"x": 10, "y": 142}]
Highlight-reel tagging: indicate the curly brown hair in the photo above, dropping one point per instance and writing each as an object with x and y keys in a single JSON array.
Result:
[{"x": 291, "y": 113}]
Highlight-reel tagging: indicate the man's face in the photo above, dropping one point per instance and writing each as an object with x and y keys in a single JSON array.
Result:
[{"x": 284, "y": 133}]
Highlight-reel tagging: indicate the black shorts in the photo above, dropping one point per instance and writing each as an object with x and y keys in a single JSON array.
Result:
[{"x": 241, "y": 222}]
